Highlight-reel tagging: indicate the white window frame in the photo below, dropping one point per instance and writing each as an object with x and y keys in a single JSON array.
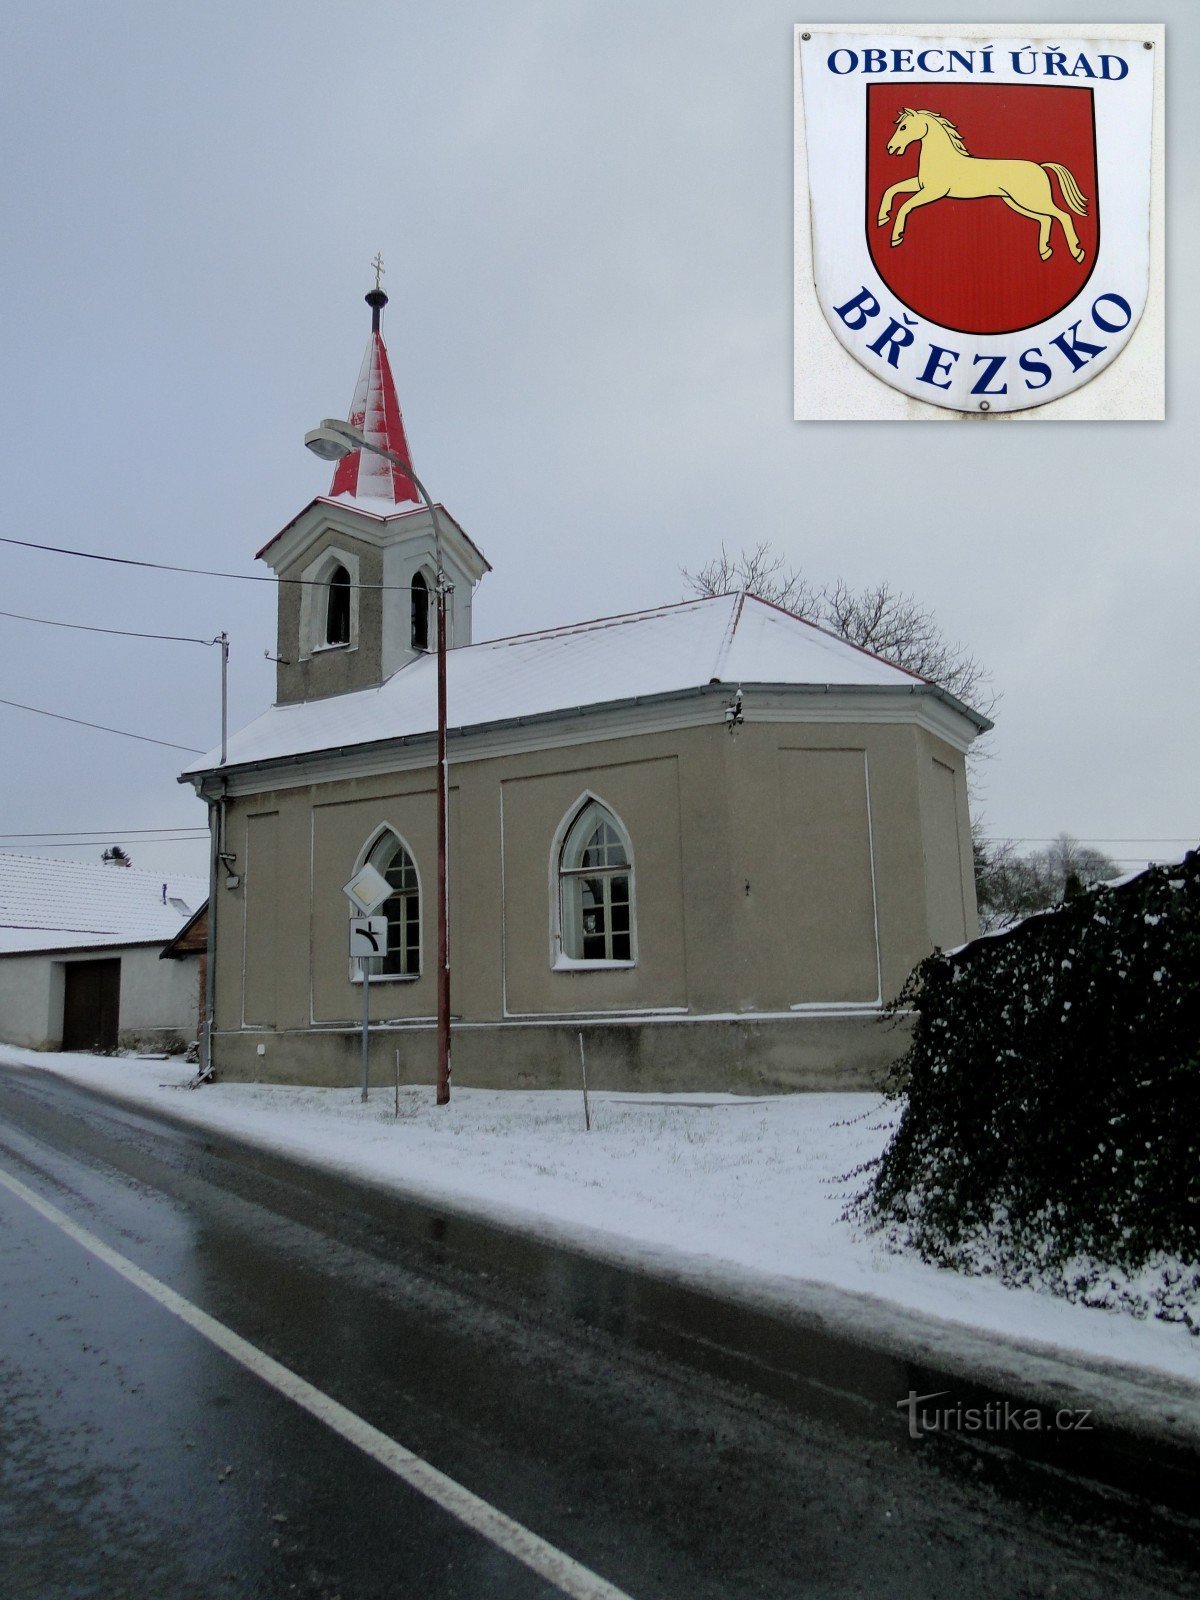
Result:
[
  {"x": 386, "y": 830},
  {"x": 338, "y": 571},
  {"x": 584, "y": 814},
  {"x": 430, "y": 580},
  {"x": 314, "y": 602}
]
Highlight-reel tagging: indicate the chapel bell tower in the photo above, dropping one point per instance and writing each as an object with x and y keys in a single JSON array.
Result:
[{"x": 365, "y": 556}]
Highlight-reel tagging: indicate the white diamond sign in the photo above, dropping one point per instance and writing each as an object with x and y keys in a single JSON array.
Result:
[{"x": 367, "y": 889}]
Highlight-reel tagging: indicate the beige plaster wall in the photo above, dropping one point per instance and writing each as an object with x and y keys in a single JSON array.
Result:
[
  {"x": 299, "y": 676},
  {"x": 644, "y": 795},
  {"x": 743, "y": 1055},
  {"x": 946, "y": 833},
  {"x": 825, "y": 896},
  {"x": 789, "y": 865}
]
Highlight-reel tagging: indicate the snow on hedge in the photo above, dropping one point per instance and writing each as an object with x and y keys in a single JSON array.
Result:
[{"x": 1051, "y": 1135}]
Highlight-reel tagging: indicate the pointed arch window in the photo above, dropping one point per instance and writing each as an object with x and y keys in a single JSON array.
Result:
[
  {"x": 595, "y": 889},
  {"x": 420, "y": 612},
  {"x": 329, "y": 603},
  {"x": 402, "y": 908},
  {"x": 337, "y": 610}
]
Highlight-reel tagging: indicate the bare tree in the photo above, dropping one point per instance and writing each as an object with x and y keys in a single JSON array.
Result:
[
  {"x": 1009, "y": 885},
  {"x": 878, "y": 618},
  {"x": 1071, "y": 866},
  {"x": 897, "y": 627},
  {"x": 759, "y": 571}
]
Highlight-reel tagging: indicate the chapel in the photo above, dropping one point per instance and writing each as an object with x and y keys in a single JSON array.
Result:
[{"x": 704, "y": 841}]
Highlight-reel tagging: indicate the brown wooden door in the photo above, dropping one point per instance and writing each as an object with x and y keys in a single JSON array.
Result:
[{"x": 91, "y": 1005}]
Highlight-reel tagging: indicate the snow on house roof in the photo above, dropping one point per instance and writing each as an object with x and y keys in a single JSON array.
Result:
[
  {"x": 731, "y": 639},
  {"x": 51, "y": 904}
]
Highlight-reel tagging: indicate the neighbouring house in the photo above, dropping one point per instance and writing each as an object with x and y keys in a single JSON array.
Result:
[
  {"x": 190, "y": 944},
  {"x": 710, "y": 838},
  {"x": 79, "y": 956}
]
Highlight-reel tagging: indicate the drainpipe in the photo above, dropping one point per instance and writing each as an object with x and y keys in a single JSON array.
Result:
[{"x": 216, "y": 828}]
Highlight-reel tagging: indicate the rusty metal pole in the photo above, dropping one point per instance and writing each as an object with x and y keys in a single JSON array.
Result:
[
  {"x": 337, "y": 434},
  {"x": 443, "y": 919}
]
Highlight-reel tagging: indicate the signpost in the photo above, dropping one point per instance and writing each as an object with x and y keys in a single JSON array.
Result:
[{"x": 367, "y": 891}]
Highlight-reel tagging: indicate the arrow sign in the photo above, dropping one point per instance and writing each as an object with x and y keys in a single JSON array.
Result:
[{"x": 368, "y": 937}]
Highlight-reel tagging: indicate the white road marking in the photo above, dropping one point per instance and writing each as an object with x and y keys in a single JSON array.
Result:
[{"x": 510, "y": 1536}]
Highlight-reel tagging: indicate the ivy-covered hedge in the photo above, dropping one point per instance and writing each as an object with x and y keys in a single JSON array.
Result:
[{"x": 1052, "y": 1126}]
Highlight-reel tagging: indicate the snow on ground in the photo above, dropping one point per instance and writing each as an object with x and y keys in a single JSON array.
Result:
[{"x": 722, "y": 1188}]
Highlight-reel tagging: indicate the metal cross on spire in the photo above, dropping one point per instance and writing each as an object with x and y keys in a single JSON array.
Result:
[{"x": 378, "y": 265}]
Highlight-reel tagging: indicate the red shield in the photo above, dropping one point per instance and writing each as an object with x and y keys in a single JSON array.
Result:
[{"x": 969, "y": 259}]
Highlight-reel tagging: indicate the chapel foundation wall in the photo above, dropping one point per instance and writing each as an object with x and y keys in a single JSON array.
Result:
[{"x": 776, "y": 1055}]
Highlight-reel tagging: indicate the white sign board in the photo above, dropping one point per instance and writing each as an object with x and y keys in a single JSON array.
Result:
[
  {"x": 368, "y": 937},
  {"x": 367, "y": 889},
  {"x": 974, "y": 212}
]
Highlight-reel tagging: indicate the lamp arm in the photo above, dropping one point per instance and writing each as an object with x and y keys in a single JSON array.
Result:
[{"x": 405, "y": 467}]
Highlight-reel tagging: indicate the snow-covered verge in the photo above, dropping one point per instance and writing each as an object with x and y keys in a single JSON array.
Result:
[
  {"x": 1162, "y": 1286},
  {"x": 722, "y": 1189}
]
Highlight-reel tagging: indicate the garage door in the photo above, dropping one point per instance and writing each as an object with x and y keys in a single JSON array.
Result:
[{"x": 91, "y": 1005}]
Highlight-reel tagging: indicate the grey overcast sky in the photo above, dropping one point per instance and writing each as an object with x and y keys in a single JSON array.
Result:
[{"x": 586, "y": 214}]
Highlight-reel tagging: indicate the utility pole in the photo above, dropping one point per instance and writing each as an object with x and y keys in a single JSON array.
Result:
[
  {"x": 223, "y": 640},
  {"x": 332, "y": 440},
  {"x": 443, "y": 875}
]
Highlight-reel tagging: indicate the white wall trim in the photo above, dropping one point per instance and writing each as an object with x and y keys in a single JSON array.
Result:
[
  {"x": 379, "y": 530},
  {"x": 874, "y": 892},
  {"x": 503, "y": 914},
  {"x": 314, "y": 602},
  {"x": 833, "y": 1011},
  {"x": 816, "y": 709}
]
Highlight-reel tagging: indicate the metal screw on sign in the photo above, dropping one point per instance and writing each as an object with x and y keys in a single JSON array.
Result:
[
  {"x": 985, "y": 405},
  {"x": 809, "y": 36},
  {"x": 1147, "y": 44}
]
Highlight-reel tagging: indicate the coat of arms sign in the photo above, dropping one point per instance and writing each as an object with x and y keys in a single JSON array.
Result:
[{"x": 979, "y": 209}]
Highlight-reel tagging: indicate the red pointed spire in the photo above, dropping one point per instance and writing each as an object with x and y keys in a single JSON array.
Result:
[{"x": 376, "y": 410}]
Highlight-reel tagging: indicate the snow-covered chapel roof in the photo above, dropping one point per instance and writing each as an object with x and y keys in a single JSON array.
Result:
[
  {"x": 50, "y": 904},
  {"x": 734, "y": 640}
]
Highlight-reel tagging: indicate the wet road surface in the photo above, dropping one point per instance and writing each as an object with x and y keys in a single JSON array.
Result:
[{"x": 137, "y": 1460}]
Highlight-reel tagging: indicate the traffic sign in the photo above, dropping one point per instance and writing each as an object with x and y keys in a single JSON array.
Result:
[
  {"x": 368, "y": 937},
  {"x": 367, "y": 889}
]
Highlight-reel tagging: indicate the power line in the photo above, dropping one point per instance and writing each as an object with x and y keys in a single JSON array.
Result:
[
  {"x": 125, "y": 633},
  {"x": 1132, "y": 838},
  {"x": 198, "y": 572},
  {"x": 107, "y": 838},
  {"x": 103, "y": 833},
  {"x": 145, "y": 739}
]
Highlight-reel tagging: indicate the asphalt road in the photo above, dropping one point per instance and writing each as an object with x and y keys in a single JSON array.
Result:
[{"x": 139, "y": 1459}]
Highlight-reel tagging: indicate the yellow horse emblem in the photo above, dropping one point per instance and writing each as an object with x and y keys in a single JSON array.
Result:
[{"x": 947, "y": 171}]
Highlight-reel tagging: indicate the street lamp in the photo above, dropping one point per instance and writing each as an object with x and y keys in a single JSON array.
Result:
[{"x": 331, "y": 441}]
